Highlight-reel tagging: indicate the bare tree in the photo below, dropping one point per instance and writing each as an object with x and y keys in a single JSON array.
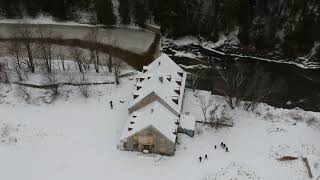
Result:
[
  {"x": 109, "y": 62},
  {"x": 23, "y": 92},
  {"x": 195, "y": 78},
  {"x": 222, "y": 120},
  {"x": 110, "y": 57},
  {"x": 117, "y": 70},
  {"x": 205, "y": 104},
  {"x": 233, "y": 81},
  {"x": 26, "y": 34},
  {"x": 61, "y": 57},
  {"x": 52, "y": 80},
  {"x": 93, "y": 42},
  {"x": 14, "y": 48},
  {"x": 77, "y": 55},
  {"x": 46, "y": 50},
  {"x": 84, "y": 86},
  {"x": 246, "y": 82},
  {"x": 3, "y": 74}
]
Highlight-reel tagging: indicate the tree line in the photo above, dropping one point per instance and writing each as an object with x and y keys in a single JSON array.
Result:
[{"x": 291, "y": 25}]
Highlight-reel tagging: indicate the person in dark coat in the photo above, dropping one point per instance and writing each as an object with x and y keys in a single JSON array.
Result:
[
  {"x": 215, "y": 146},
  {"x": 200, "y": 158},
  {"x": 227, "y": 150},
  {"x": 206, "y": 156},
  {"x": 111, "y": 105},
  {"x": 221, "y": 144}
]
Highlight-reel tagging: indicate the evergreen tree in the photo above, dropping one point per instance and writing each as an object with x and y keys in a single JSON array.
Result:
[
  {"x": 105, "y": 13},
  {"x": 139, "y": 12},
  {"x": 124, "y": 11}
]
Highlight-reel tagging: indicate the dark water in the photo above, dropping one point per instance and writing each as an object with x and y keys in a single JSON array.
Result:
[{"x": 291, "y": 86}]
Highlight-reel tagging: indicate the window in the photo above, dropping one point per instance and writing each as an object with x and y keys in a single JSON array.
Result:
[
  {"x": 175, "y": 101},
  {"x": 169, "y": 77},
  {"x": 178, "y": 82},
  {"x": 177, "y": 91}
]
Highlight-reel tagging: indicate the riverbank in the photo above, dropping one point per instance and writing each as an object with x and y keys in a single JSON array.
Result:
[
  {"x": 191, "y": 47},
  {"x": 292, "y": 85}
]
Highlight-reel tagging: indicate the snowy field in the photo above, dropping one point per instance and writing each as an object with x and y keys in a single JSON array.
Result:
[{"x": 76, "y": 138}]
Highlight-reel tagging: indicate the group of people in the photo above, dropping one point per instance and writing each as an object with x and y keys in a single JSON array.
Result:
[{"x": 222, "y": 145}]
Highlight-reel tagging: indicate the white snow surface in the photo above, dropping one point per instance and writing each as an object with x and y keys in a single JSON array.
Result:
[
  {"x": 187, "y": 122},
  {"x": 77, "y": 138}
]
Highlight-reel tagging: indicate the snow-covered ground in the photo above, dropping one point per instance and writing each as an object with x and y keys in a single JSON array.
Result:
[{"x": 76, "y": 138}]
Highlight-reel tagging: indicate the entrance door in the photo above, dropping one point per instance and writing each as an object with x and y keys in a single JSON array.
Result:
[{"x": 147, "y": 147}]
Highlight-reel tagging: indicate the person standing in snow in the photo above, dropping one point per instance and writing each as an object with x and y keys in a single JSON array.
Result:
[
  {"x": 200, "y": 158},
  {"x": 206, "y": 156},
  {"x": 111, "y": 105}
]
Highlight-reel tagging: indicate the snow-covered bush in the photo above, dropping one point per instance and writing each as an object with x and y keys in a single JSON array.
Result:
[
  {"x": 6, "y": 134},
  {"x": 313, "y": 122}
]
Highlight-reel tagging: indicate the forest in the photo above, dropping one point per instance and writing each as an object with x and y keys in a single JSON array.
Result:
[{"x": 292, "y": 26}]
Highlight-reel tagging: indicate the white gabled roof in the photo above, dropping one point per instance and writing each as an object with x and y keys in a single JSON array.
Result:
[
  {"x": 156, "y": 115},
  {"x": 166, "y": 80},
  {"x": 161, "y": 77}
]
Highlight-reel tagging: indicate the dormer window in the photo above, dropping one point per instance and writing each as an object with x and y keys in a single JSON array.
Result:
[
  {"x": 161, "y": 79},
  {"x": 149, "y": 77},
  {"x": 141, "y": 79},
  {"x": 180, "y": 74},
  {"x": 178, "y": 82},
  {"x": 129, "y": 129},
  {"x": 144, "y": 69},
  {"x": 135, "y": 96},
  {"x": 131, "y": 122},
  {"x": 138, "y": 87},
  {"x": 175, "y": 99},
  {"x": 177, "y": 91},
  {"x": 168, "y": 77}
]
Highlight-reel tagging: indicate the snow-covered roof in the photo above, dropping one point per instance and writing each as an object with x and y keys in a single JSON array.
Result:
[
  {"x": 156, "y": 115},
  {"x": 166, "y": 79},
  {"x": 188, "y": 122}
]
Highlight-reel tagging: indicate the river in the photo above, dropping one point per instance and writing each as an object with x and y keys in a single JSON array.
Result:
[{"x": 291, "y": 86}]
